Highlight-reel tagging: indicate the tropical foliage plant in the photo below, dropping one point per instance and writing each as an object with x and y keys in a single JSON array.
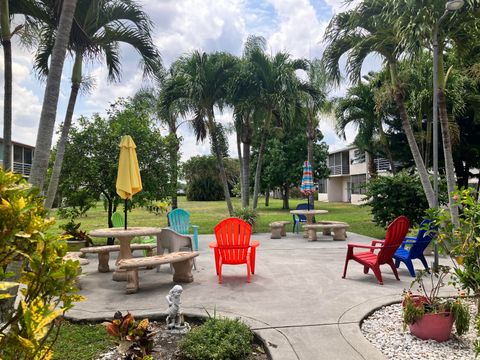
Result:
[{"x": 31, "y": 257}]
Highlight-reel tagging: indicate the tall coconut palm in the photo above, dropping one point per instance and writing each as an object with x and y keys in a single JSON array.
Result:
[
  {"x": 278, "y": 98},
  {"x": 244, "y": 93},
  {"x": 200, "y": 81},
  {"x": 107, "y": 24},
  {"x": 417, "y": 23},
  {"x": 362, "y": 31},
  {"x": 50, "y": 99}
]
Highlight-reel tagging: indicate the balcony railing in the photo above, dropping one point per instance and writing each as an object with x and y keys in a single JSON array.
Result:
[
  {"x": 21, "y": 168},
  {"x": 339, "y": 170},
  {"x": 382, "y": 164}
]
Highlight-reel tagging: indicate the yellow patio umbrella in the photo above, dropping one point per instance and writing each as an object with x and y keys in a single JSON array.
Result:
[{"x": 129, "y": 181}]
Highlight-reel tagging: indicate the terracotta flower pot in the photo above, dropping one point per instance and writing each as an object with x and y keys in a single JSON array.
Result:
[{"x": 437, "y": 327}]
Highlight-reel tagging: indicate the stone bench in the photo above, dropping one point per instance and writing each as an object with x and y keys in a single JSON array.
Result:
[
  {"x": 182, "y": 263},
  {"x": 339, "y": 229},
  {"x": 104, "y": 253},
  {"x": 76, "y": 255},
  {"x": 278, "y": 229}
]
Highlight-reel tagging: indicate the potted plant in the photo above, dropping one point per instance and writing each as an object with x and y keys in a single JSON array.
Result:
[{"x": 430, "y": 316}]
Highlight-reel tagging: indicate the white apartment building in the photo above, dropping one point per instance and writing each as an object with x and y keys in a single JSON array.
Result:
[
  {"x": 348, "y": 173},
  {"x": 22, "y": 157}
]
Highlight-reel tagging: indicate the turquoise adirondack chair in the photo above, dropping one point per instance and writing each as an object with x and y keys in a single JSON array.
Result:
[
  {"x": 117, "y": 221},
  {"x": 179, "y": 220}
]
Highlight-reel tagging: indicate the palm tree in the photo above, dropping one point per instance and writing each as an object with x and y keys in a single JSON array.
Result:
[
  {"x": 200, "y": 81},
  {"x": 279, "y": 94},
  {"x": 50, "y": 100},
  {"x": 244, "y": 92},
  {"x": 417, "y": 24},
  {"x": 107, "y": 24},
  {"x": 364, "y": 30}
]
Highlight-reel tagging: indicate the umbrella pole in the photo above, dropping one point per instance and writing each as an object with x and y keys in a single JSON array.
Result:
[{"x": 126, "y": 200}]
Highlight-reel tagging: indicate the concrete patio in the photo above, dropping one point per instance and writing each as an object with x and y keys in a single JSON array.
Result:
[{"x": 297, "y": 301}]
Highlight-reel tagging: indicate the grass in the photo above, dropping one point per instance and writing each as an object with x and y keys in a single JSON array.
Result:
[
  {"x": 207, "y": 214},
  {"x": 81, "y": 342}
]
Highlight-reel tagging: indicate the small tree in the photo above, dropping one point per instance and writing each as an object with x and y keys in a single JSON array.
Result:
[
  {"x": 47, "y": 283},
  {"x": 91, "y": 158}
]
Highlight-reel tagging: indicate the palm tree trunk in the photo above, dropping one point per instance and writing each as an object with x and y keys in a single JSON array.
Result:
[
  {"x": 310, "y": 151},
  {"x": 50, "y": 99},
  {"x": 407, "y": 128},
  {"x": 258, "y": 171},
  {"x": 372, "y": 169},
  {"x": 447, "y": 153},
  {"x": 57, "y": 167},
  {"x": 221, "y": 167},
  {"x": 174, "y": 166},
  {"x": 261, "y": 150},
  {"x": 7, "y": 96},
  {"x": 240, "y": 159},
  {"x": 246, "y": 174}
]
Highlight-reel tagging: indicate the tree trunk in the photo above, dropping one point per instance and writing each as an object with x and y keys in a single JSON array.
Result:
[
  {"x": 310, "y": 152},
  {"x": 372, "y": 169},
  {"x": 258, "y": 171},
  {"x": 7, "y": 96},
  {"x": 267, "y": 197},
  {"x": 285, "y": 194},
  {"x": 50, "y": 99},
  {"x": 407, "y": 128},
  {"x": 110, "y": 241},
  {"x": 447, "y": 153},
  {"x": 261, "y": 150},
  {"x": 240, "y": 159},
  {"x": 57, "y": 167},
  {"x": 246, "y": 174},
  {"x": 174, "y": 165},
  {"x": 221, "y": 168}
]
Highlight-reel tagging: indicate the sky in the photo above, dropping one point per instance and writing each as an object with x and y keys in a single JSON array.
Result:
[{"x": 181, "y": 26}]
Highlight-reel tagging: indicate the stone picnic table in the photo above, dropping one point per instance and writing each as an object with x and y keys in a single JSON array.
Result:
[
  {"x": 124, "y": 237},
  {"x": 309, "y": 214}
]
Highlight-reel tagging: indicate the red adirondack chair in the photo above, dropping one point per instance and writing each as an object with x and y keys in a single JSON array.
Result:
[
  {"x": 233, "y": 245},
  {"x": 396, "y": 232}
]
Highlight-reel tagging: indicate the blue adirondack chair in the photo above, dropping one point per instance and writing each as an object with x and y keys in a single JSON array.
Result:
[
  {"x": 297, "y": 219},
  {"x": 179, "y": 220},
  {"x": 417, "y": 247}
]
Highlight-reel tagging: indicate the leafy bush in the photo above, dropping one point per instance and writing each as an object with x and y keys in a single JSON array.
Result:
[
  {"x": 392, "y": 196},
  {"x": 248, "y": 214},
  {"x": 216, "y": 339},
  {"x": 158, "y": 207},
  {"x": 47, "y": 282},
  {"x": 205, "y": 189},
  {"x": 72, "y": 232}
]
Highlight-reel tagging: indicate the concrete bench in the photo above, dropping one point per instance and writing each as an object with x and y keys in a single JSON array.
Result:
[
  {"x": 339, "y": 229},
  {"x": 104, "y": 253},
  {"x": 278, "y": 229},
  {"x": 182, "y": 263},
  {"x": 76, "y": 255}
]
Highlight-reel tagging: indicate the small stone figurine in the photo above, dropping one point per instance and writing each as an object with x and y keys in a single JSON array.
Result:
[{"x": 175, "y": 321}]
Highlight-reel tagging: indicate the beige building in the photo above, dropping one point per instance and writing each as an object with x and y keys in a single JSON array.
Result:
[
  {"x": 348, "y": 175},
  {"x": 22, "y": 157}
]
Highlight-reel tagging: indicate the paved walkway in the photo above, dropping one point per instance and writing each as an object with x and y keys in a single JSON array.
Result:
[{"x": 297, "y": 300}]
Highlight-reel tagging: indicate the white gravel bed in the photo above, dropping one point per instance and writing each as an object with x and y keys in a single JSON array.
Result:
[{"x": 384, "y": 329}]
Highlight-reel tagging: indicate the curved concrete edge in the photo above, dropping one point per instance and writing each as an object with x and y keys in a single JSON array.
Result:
[{"x": 275, "y": 343}]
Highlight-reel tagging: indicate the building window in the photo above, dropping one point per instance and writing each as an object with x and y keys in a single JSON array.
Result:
[
  {"x": 27, "y": 155},
  {"x": 17, "y": 154},
  {"x": 322, "y": 186},
  {"x": 358, "y": 157},
  {"x": 358, "y": 184}
]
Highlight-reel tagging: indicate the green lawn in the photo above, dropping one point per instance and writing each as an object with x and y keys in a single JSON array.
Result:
[{"x": 207, "y": 214}]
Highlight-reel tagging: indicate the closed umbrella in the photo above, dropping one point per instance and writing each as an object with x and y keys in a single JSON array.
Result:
[
  {"x": 307, "y": 187},
  {"x": 129, "y": 181}
]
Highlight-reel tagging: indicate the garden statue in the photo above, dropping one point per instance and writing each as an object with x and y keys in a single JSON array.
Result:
[{"x": 175, "y": 321}]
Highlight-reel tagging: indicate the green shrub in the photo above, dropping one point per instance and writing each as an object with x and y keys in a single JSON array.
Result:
[
  {"x": 218, "y": 339},
  {"x": 248, "y": 214},
  {"x": 205, "y": 189},
  {"x": 35, "y": 255},
  {"x": 392, "y": 196}
]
